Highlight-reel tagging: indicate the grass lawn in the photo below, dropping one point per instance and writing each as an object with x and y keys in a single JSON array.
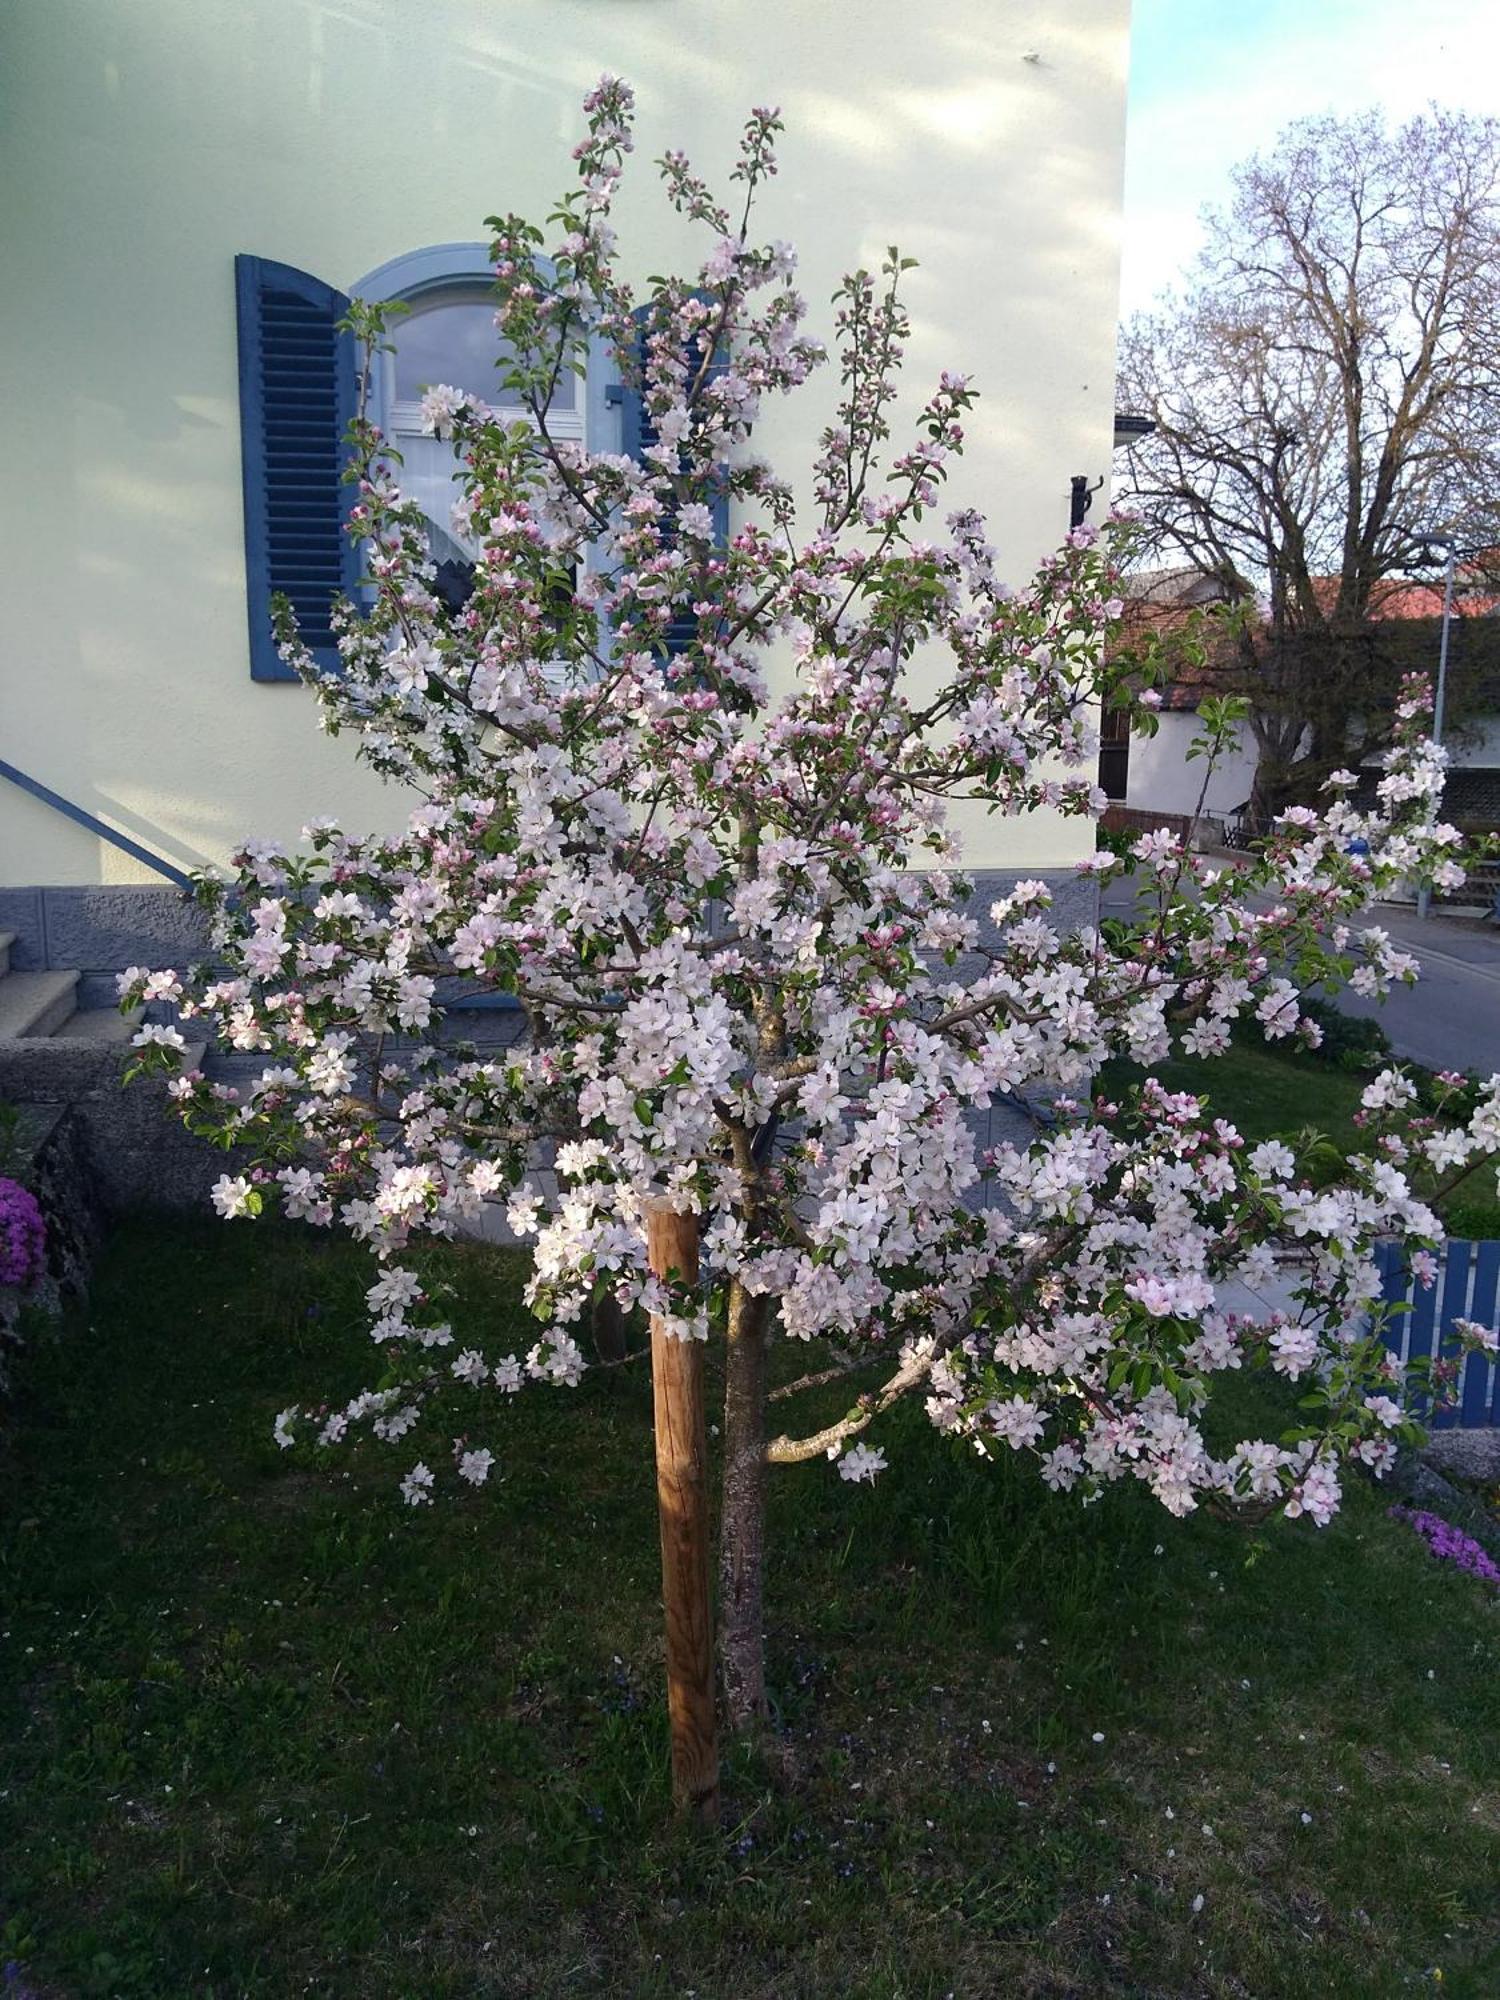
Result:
[
  {"x": 267, "y": 1733},
  {"x": 1271, "y": 1092},
  {"x": 1265, "y": 1091}
]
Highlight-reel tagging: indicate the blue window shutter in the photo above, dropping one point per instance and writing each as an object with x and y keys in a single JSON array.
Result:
[
  {"x": 718, "y": 506},
  {"x": 297, "y": 394},
  {"x": 637, "y": 434}
]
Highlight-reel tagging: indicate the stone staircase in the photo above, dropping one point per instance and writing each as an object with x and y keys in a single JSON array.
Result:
[
  {"x": 61, "y": 1066},
  {"x": 43, "y": 1006}
]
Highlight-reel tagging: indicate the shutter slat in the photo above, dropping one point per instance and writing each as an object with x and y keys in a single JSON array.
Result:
[
  {"x": 297, "y": 388},
  {"x": 638, "y": 432}
]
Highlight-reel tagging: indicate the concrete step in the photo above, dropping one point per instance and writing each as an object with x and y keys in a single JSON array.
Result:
[
  {"x": 99, "y": 1024},
  {"x": 35, "y": 1003},
  {"x": 7, "y": 939}
]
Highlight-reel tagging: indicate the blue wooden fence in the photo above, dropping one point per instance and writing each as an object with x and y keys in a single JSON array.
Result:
[{"x": 1467, "y": 1285}]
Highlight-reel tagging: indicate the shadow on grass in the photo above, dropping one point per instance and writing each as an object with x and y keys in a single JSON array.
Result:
[{"x": 267, "y": 1732}]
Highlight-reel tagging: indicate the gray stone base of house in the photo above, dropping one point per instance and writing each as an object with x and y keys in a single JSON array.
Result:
[
  {"x": 63, "y": 1045},
  {"x": 1471, "y": 1455},
  {"x": 1075, "y": 897},
  {"x": 1075, "y": 906},
  {"x": 98, "y": 932},
  {"x": 1441, "y": 1483},
  {"x": 137, "y": 1152}
]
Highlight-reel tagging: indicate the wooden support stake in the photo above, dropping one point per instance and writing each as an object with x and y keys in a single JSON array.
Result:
[{"x": 682, "y": 1502}]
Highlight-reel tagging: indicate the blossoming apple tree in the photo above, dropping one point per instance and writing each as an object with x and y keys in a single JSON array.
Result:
[{"x": 684, "y": 795}]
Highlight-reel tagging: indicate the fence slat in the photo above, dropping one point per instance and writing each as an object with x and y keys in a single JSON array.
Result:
[
  {"x": 1468, "y": 1287},
  {"x": 1395, "y": 1282},
  {"x": 1476, "y": 1407},
  {"x": 1454, "y": 1305},
  {"x": 1421, "y": 1322}
]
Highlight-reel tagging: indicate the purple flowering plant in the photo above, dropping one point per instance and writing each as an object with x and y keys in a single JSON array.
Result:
[
  {"x": 1450, "y": 1544},
  {"x": 23, "y": 1235}
]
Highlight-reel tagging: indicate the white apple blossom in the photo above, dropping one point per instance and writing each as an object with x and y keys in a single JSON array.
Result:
[
  {"x": 861, "y": 1463},
  {"x": 153, "y": 1035},
  {"x": 439, "y": 406},
  {"x": 233, "y": 1194}
]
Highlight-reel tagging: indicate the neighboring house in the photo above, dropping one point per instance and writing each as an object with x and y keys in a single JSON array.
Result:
[
  {"x": 1156, "y": 778},
  {"x": 1156, "y": 775},
  {"x": 193, "y": 190},
  {"x": 1471, "y": 797}
]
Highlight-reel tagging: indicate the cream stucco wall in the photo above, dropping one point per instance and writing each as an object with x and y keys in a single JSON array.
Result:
[{"x": 144, "y": 142}]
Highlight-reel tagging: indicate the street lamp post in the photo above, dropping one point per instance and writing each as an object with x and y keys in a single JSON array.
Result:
[{"x": 1424, "y": 894}]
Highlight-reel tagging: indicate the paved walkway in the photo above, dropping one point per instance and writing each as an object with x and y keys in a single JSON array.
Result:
[{"x": 1451, "y": 1019}]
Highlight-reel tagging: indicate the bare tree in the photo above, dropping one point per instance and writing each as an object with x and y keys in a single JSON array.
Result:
[{"x": 1326, "y": 394}]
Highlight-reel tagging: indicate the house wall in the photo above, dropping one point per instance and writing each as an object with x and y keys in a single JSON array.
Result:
[
  {"x": 1161, "y": 778},
  {"x": 143, "y": 145},
  {"x": 1477, "y": 745}
]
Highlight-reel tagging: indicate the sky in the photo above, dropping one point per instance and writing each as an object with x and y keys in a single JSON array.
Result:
[{"x": 1212, "y": 81}]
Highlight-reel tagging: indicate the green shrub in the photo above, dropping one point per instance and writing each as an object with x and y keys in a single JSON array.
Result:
[
  {"x": 1115, "y": 840},
  {"x": 15, "y": 1153},
  {"x": 1477, "y": 1220},
  {"x": 1348, "y": 1042}
]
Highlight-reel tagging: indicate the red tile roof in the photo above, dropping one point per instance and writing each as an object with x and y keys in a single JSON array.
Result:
[
  {"x": 1169, "y": 605},
  {"x": 1166, "y": 604}
]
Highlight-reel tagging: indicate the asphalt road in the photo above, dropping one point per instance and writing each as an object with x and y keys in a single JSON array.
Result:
[{"x": 1451, "y": 1018}]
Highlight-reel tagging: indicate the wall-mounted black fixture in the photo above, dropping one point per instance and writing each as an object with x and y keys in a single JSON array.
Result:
[
  {"x": 1127, "y": 430},
  {"x": 1083, "y": 498}
]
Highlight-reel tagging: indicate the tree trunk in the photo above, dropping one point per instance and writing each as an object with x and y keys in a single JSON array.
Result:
[
  {"x": 608, "y": 1324},
  {"x": 742, "y": 1520},
  {"x": 1277, "y": 740},
  {"x": 682, "y": 1506}
]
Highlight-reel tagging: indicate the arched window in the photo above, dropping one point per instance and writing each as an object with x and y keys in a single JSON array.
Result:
[
  {"x": 447, "y": 335},
  {"x": 298, "y": 380}
]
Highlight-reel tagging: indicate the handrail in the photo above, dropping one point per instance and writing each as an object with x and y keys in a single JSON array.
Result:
[{"x": 86, "y": 819}]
